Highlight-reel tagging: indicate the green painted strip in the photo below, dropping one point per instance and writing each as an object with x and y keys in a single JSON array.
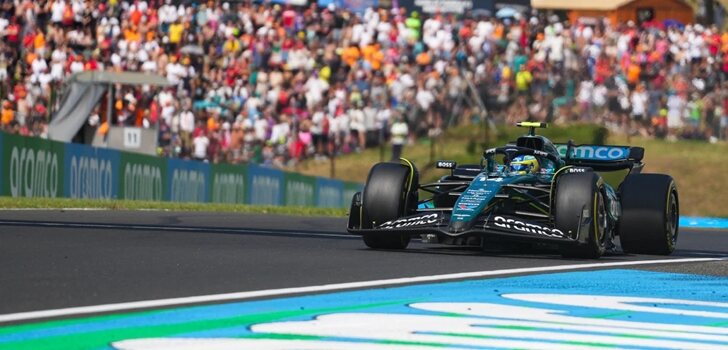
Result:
[
  {"x": 413, "y": 343},
  {"x": 585, "y": 343},
  {"x": 518, "y": 328},
  {"x": 635, "y": 336},
  {"x": 612, "y": 315},
  {"x": 102, "y": 339},
  {"x": 282, "y": 337},
  {"x": 462, "y": 335}
]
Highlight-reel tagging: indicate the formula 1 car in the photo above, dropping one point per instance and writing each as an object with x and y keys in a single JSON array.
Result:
[{"x": 529, "y": 191}]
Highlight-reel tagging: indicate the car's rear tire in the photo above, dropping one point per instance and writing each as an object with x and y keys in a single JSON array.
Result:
[
  {"x": 577, "y": 196},
  {"x": 650, "y": 214},
  {"x": 387, "y": 197}
]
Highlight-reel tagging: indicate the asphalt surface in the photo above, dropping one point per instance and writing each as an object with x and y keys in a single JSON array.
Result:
[{"x": 56, "y": 259}]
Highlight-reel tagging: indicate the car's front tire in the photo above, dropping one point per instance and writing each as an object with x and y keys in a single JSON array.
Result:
[
  {"x": 650, "y": 214},
  {"x": 579, "y": 206},
  {"x": 387, "y": 196}
]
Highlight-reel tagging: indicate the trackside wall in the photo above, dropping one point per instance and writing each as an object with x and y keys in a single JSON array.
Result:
[{"x": 34, "y": 167}]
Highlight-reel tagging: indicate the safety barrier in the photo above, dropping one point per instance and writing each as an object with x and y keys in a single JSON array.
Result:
[{"x": 34, "y": 167}]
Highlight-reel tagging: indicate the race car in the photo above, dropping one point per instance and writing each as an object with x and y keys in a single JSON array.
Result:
[{"x": 531, "y": 190}]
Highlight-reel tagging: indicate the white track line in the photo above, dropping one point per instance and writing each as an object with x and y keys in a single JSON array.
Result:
[{"x": 22, "y": 316}]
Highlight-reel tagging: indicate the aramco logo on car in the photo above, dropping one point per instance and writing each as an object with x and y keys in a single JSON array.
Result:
[{"x": 596, "y": 152}]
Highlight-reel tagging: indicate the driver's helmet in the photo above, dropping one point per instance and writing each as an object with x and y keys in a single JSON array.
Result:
[{"x": 523, "y": 165}]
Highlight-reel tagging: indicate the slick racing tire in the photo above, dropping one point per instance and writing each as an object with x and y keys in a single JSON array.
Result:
[
  {"x": 385, "y": 198},
  {"x": 579, "y": 207},
  {"x": 650, "y": 212}
]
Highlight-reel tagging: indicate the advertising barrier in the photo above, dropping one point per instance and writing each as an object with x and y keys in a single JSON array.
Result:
[
  {"x": 266, "y": 186},
  {"x": 34, "y": 167},
  {"x": 91, "y": 172},
  {"x": 144, "y": 177},
  {"x": 189, "y": 181},
  {"x": 328, "y": 193},
  {"x": 300, "y": 190},
  {"x": 229, "y": 183}
]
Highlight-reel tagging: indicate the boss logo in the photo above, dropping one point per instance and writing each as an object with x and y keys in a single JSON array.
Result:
[
  {"x": 443, "y": 164},
  {"x": 428, "y": 219},
  {"x": 576, "y": 170},
  {"x": 512, "y": 224}
]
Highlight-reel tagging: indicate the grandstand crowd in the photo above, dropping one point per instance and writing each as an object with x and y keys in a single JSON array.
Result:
[{"x": 274, "y": 84}]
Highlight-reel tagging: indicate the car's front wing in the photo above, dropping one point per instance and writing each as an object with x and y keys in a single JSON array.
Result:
[{"x": 491, "y": 225}]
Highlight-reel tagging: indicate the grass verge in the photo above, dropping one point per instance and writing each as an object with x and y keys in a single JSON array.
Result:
[{"x": 66, "y": 203}]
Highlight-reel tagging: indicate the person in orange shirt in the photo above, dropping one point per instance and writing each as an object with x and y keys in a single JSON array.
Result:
[
  {"x": 132, "y": 34},
  {"x": 367, "y": 52},
  {"x": 39, "y": 42},
  {"x": 30, "y": 57},
  {"x": 633, "y": 73},
  {"x": 350, "y": 55},
  {"x": 212, "y": 123},
  {"x": 8, "y": 115},
  {"x": 423, "y": 58},
  {"x": 377, "y": 59},
  {"x": 103, "y": 128}
]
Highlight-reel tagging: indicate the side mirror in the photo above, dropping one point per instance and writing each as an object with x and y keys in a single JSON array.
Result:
[{"x": 637, "y": 153}]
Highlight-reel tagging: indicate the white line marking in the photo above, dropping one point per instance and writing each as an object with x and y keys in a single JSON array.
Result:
[{"x": 21, "y": 316}]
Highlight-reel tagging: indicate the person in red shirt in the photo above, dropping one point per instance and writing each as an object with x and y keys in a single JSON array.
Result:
[{"x": 13, "y": 32}]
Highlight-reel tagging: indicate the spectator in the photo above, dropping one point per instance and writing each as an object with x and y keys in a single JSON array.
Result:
[
  {"x": 292, "y": 83},
  {"x": 399, "y": 132}
]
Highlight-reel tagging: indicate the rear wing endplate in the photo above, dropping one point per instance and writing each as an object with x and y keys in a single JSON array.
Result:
[{"x": 602, "y": 157}]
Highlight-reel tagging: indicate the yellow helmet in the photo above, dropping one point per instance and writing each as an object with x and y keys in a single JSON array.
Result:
[{"x": 523, "y": 165}]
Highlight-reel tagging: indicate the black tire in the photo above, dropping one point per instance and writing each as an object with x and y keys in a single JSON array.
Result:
[
  {"x": 386, "y": 197},
  {"x": 650, "y": 212},
  {"x": 576, "y": 194}
]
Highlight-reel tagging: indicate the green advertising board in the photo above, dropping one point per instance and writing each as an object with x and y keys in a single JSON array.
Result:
[
  {"x": 299, "y": 190},
  {"x": 144, "y": 177},
  {"x": 228, "y": 183},
  {"x": 33, "y": 167}
]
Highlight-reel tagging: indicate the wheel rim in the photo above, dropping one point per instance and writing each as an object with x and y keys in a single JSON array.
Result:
[
  {"x": 672, "y": 218},
  {"x": 601, "y": 217}
]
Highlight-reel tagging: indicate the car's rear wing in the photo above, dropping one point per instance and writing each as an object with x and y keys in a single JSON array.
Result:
[{"x": 602, "y": 157}]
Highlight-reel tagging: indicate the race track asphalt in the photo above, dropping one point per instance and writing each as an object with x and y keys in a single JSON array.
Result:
[{"x": 56, "y": 259}]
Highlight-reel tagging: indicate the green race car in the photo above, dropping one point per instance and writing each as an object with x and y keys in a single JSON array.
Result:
[{"x": 529, "y": 191}]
